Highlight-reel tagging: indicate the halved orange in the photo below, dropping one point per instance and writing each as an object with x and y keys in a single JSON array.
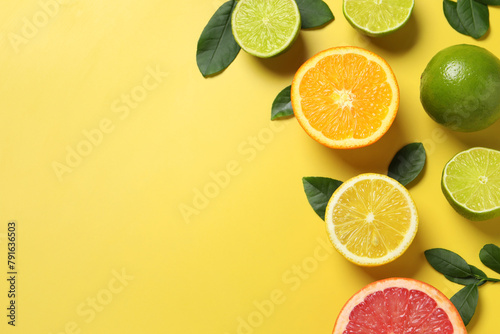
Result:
[
  {"x": 399, "y": 305},
  {"x": 345, "y": 97}
]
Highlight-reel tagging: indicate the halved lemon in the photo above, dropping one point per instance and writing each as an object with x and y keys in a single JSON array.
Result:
[{"x": 371, "y": 219}]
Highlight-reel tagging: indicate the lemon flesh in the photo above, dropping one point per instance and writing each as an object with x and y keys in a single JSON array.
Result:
[
  {"x": 371, "y": 219},
  {"x": 265, "y": 28}
]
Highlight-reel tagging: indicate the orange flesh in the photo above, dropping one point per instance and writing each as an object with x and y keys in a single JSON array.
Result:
[{"x": 345, "y": 96}]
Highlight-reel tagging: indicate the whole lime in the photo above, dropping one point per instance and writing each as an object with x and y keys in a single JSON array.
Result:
[{"x": 460, "y": 88}]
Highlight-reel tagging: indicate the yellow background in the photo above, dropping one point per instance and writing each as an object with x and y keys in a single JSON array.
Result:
[{"x": 253, "y": 253}]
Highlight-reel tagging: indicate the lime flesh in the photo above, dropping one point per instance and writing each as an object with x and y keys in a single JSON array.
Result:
[
  {"x": 265, "y": 28},
  {"x": 471, "y": 183},
  {"x": 377, "y": 17}
]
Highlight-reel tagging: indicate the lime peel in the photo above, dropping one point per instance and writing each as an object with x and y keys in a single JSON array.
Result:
[
  {"x": 458, "y": 88},
  {"x": 377, "y": 17},
  {"x": 265, "y": 28},
  {"x": 471, "y": 183}
]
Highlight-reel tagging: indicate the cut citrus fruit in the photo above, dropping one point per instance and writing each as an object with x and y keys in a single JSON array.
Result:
[
  {"x": 471, "y": 183},
  {"x": 399, "y": 305},
  {"x": 345, "y": 97},
  {"x": 377, "y": 17},
  {"x": 371, "y": 219},
  {"x": 265, "y": 28}
]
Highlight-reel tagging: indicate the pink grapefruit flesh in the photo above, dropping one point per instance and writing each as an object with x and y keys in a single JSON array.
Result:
[{"x": 399, "y": 306}]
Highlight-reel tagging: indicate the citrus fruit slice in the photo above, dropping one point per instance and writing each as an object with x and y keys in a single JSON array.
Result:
[
  {"x": 377, "y": 17},
  {"x": 399, "y": 305},
  {"x": 471, "y": 183},
  {"x": 345, "y": 97},
  {"x": 371, "y": 219},
  {"x": 459, "y": 88},
  {"x": 265, "y": 28}
]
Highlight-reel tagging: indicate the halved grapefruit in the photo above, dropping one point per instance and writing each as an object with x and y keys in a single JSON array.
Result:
[{"x": 399, "y": 306}]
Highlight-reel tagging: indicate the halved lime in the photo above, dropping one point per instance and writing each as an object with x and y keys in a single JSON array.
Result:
[
  {"x": 377, "y": 17},
  {"x": 265, "y": 28},
  {"x": 471, "y": 183}
]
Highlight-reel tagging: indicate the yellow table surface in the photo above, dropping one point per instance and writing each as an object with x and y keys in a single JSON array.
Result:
[{"x": 149, "y": 199}]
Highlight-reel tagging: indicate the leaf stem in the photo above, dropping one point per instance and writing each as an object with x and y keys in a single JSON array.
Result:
[{"x": 489, "y": 279}]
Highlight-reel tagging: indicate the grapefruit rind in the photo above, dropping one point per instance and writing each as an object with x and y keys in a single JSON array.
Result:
[
  {"x": 349, "y": 143},
  {"x": 390, "y": 256},
  {"x": 397, "y": 282}
]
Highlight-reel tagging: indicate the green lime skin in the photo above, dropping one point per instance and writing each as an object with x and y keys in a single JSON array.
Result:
[
  {"x": 465, "y": 212},
  {"x": 383, "y": 17},
  {"x": 460, "y": 88},
  {"x": 264, "y": 30},
  {"x": 464, "y": 179}
]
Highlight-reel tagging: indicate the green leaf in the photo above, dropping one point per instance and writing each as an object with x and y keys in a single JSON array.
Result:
[
  {"x": 465, "y": 301},
  {"x": 479, "y": 277},
  {"x": 448, "y": 263},
  {"x": 451, "y": 14},
  {"x": 318, "y": 191},
  {"x": 217, "y": 48},
  {"x": 407, "y": 163},
  {"x": 490, "y": 257},
  {"x": 314, "y": 13},
  {"x": 474, "y": 16},
  {"x": 282, "y": 105},
  {"x": 490, "y": 2}
]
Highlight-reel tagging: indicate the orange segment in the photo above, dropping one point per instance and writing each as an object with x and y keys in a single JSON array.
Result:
[{"x": 345, "y": 97}]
